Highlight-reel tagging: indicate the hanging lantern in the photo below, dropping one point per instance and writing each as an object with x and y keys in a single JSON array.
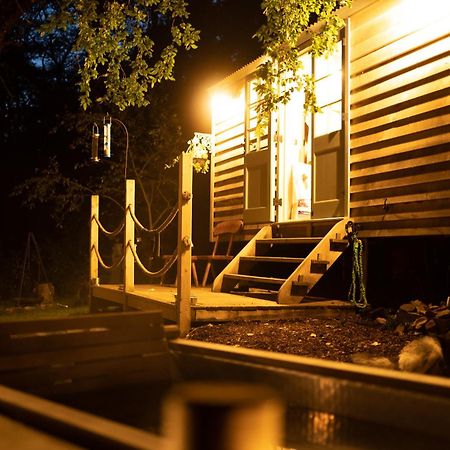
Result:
[
  {"x": 107, "y": 137},
  {"x": 94, "y": 145}
]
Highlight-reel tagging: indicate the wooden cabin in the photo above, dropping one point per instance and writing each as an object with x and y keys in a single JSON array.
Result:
[{"x": 378, "y": 153}]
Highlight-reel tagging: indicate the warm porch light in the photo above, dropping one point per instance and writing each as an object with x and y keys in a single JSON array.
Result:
[{"x": 224, "y": 105}]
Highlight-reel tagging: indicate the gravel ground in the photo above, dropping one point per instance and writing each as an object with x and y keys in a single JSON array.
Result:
[{"x": 326, "y": 338}]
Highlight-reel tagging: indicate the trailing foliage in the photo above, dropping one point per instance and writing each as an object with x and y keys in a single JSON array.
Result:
[
  {"x": 281, "y": 74},
  {"x": 116, "y": 46}
]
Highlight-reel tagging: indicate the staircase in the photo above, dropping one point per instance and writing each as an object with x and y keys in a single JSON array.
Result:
[{"x": 283, "y": 267}]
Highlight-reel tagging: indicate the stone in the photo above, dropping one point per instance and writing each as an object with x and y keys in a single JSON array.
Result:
[
  {"x": 419, "y": 323},
  {"x": 423, "y": 355},
  {"x": 381, "y": 321},
  {"x": 431, "y": 326}
]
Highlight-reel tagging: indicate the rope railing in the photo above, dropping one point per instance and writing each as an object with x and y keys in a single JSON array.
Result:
[
  {"x": 149, "y": 273},
  {"x": 103, "y": 264},
  {"x": 105, "y": 231},
  {"x": 158, "y": 229}
]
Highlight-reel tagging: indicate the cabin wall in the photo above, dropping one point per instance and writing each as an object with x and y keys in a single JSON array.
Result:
[
  {"x": 400, "y": 118},
  {"x": 227, "y": 168}
]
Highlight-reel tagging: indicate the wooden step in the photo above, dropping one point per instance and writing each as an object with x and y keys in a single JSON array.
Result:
[
  {"x": 299, "y": 288},
  {"x": 338, "y": 245},
  {"x": 290, "y": 241},
  {"x": 272, "y": 259},
  {"x": 319, "y": 266},
  {"x": 230, "y": 281}
]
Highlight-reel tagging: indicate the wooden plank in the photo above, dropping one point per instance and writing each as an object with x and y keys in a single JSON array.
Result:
[
  {"x": 235, "y": 207},
  {"x": 86, "y": 321},
  {"x": 422, "y": 140},
  {"x": 389, "y": 81},
  {"x": 81, "y": 354},
  {"x": 403, "y": 181},
  {"x": 230, "y": 153},
  {"x": 128, "y": 277},
  {"x": 289, "y": 241},
  {"x": 387, "y": 27},
  {"x": 79, "y": 427},
  {"x": 400, "y": 47},
  {"x": 116, "y": 369},
  {"x": 226, "y": 134},
  {"x": 229, "y": 186},
  {"x": 183, "y": 301},
  {"x": 94, "y": 242},
  {"x": 228, "y": 176},
  {"x": 227, "y": 216},
  {"x": 229, "y": 164},
  {"x": 237, "y": 196},
  {"x": 413, "y": 230},
  {"x": 392, "y": 118},
  {"x": 405, "y": 96},
  {"x": 16, "y": 435},
  {"x": 271, "y": 259},
  {"x": 422, "y": 161},
  {"x": 392, "y": 73},
  {"x": 390, "y": 217},
  {"x": 254, "y": 279},
  {"x": 420, "y": 197}
]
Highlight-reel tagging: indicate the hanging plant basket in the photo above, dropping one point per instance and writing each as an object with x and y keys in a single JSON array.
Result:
[{"x": 200, "y": 146}]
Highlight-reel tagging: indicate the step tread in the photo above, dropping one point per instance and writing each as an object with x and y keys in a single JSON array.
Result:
[
  {"x": 281, "y": 259},
  {"x": 242, "y": 277},
  {"x": 297, "y": 240}
]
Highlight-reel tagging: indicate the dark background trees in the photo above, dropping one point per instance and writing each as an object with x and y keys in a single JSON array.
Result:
[{"x": 46, "y": 175}]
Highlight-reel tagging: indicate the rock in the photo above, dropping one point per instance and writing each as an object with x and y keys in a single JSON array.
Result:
[
  {"x": 443, "y": 314},
  {"x": 366, "y": 359},
  {"x": 423, "y": 355},
  {"x": 419, "y": 323},
  {"x": 431, "y": 326},
  {"x": 381, "y": 321},
  {"x": 420, "y": 306},
  {"x": 404, "y": 316},
  {"x": 407, "y": 307}
]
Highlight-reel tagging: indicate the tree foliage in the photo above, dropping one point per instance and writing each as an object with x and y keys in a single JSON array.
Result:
[
  {"x": 117, "y": 48},
  {"x": 287, "y": 20}
]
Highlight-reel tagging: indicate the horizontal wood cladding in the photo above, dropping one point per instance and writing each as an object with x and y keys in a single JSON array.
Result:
[
  {"x": 227, "y": 194},
  {"x": 399, "y": 123}
]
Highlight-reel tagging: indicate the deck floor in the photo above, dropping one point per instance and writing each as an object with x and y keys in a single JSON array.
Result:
[{"x": 208, "y": 306}]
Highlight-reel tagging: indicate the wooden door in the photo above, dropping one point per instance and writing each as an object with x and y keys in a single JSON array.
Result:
[
  {"x": 259, "y": 164},
  {"x": 328, "y": 150}
]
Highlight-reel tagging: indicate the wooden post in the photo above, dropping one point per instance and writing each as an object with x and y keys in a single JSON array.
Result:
[
  {"x": 93, "y": 259},
  {"x": 183, "y": 303},
  {"x": 128, "y": 274},
  {"x": 226, "y": 416}
]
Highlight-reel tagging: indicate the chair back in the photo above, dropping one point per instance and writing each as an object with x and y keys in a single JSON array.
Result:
[{"x": 227, "y": 227}]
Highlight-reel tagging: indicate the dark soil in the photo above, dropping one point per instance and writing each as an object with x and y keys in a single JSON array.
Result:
[{"x": 326, "y": 338}]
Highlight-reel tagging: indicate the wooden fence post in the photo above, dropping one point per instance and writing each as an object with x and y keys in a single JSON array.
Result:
[
  {"x": 128, "y": 274},
  {"x": 93, "y": 258},
  {"x": 183, "y": 303}
]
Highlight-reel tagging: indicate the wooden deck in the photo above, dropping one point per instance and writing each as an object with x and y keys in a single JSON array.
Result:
[{"x": 208, "y": 306}]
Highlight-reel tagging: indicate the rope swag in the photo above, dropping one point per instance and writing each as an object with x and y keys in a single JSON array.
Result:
[{"x": 357, "y": 292}]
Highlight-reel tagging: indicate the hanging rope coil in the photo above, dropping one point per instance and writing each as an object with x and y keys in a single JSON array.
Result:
[
  {"x": 158, "y": 229},
  {"x": 105, "y": 231},
  {"x": 103, "y": 264},
  {"x": 357, "y": 285},
  {"x": 158, "y": 273}
]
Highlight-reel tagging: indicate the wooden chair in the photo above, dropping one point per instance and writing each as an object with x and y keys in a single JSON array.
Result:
[{"x": 223, "y": 229}]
